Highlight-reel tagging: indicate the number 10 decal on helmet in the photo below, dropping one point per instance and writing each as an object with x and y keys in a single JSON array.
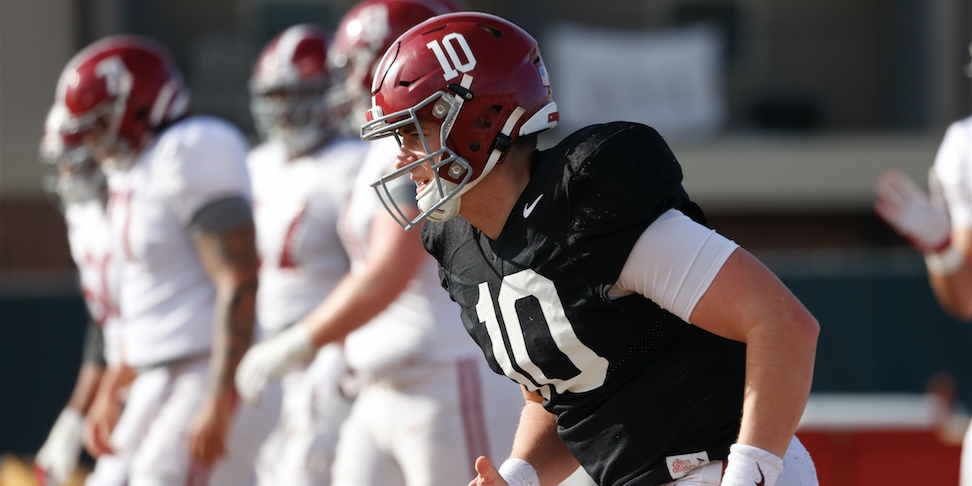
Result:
[
  {"x": 448, "y": 71},
  {"x": 451, "y": 69}
]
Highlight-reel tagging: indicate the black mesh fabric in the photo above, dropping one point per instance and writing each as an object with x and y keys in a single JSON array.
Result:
[{"x": 670, "y": 388}]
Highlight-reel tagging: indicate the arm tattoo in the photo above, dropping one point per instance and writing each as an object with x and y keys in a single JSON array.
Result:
[{"x": 230, "y": 259}]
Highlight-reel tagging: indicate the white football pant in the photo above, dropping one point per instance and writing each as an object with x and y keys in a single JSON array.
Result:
[
  {"x": 300, "y": 450},
  {"x": 427, "y": 426},
  {"x": 142, "y": 405},
  {"x": 162, "y": 457}
]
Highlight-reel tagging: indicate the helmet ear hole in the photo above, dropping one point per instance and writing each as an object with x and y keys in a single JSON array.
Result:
[{"x": 487, "y": 117}]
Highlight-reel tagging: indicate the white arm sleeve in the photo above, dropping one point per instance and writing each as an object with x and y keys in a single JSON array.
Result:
[
  {"x": 951, "y": 175},
  {"x": 673, "y": 263}
]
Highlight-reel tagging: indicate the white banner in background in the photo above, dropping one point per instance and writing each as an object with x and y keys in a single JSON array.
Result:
[{"x": 670, "y": 79}]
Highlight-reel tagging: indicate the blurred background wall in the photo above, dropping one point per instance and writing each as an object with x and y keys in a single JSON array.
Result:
[{"x": 786, "y": 111}]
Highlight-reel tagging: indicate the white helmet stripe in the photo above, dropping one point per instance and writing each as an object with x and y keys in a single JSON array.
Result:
[
  {"x": 287, "y": 47},
  {"x": 162, "y": 101},
  {"x": 495, "y": 155},
  {"x": 511, "y": 121},
  {"x": 540, "y": 120}
]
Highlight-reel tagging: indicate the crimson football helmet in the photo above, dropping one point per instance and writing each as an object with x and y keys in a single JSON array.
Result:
[
  {"x": 116, "y": 94},
  {"x": 78, "y": 177},
  {"x": 363, "y": 35},
  {"x": 452, "y": 69},
  {"x": 288, "y": 88}
]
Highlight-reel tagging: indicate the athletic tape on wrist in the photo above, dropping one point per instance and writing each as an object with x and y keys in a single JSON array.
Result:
[
  {"x": 747, "y": 465},
  {"x": 518, "y": 472},
  {"x": 944, "y": 262},
  {"x": 296, "y": 340}
]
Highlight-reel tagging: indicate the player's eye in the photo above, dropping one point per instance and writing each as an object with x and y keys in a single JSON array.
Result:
[{"x": 409, "y": 135}]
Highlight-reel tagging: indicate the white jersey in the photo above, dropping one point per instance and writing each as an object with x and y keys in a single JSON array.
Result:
[
  {"x": 951, "y": 175},
  {"x": 98, "y": 270},
  {"x": 951, "y": 178},
  {"x": 423, "y": 324},
  {"x": 296, "y": 207},
  {"x": 166, "y": 299}
]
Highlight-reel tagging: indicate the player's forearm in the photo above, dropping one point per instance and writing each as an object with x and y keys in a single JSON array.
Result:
[
  {"x": 954, "y": 292},
  {"x": 953, "y": 289},
  {"x": 117, "y": 377},
  {"x": 394, "y": 258},
  {"x": 537, "y": 442},
  {"x": 235, "y": 316},
  {"x": 354, "y": 302},
  {"x": 86, "y": 387},
  {"x": 747, "y": 303},
  {"x": 779, "y": 373},
  {"x": 229, "y": 257},
  {"x": 114, "y": 379}
]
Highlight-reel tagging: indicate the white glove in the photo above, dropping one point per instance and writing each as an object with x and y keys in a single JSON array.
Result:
[
  {"x": 907, "y": 209},
  {"x": 59, "y": 455},
  {"x": 748, "y": 466},
  {"x": 271, "y": 359}
]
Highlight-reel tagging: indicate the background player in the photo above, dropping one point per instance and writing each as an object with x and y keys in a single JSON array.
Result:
[
  {"x": 301, "y": 179},
  {"x": 180, "y": 217},
  {"x": 428, "y": 406},
  {"x": 940, "y": 228},
  {"x": 83, "y": 193},
  {"x": 548, "y": 258}
]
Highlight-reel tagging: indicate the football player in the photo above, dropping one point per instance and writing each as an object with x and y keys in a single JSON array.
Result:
[
  {"x": 82, "y": 190},
  {"x": 301, "y": 179},
  {"x": 939, "y": 226},
  {"x": 641, "y": 337},
  {"x": 426, "y": 405},
  {"x": 181, "y": 221}
]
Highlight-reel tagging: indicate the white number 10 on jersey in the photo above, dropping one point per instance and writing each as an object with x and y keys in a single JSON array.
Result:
[
  {"x": 453, "y": 65},
  {"x": 528, "y": 283}
]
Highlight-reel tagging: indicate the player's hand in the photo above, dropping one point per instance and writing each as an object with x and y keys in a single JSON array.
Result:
[
  {"x": 101, "y": 420},
  {"x": 907, "y": 209},
  {"x": 486, "y": 474},
  {"x": 209, "y": 428},
  {"x": 59, "y": 455},
  {"x": 271, "y": 359}
]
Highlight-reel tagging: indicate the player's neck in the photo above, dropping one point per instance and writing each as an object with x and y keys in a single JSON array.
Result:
[{"x": 488, "y": 205}]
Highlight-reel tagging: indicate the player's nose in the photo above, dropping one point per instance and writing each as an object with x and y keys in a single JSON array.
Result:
[{"x": 405, "y": 157}]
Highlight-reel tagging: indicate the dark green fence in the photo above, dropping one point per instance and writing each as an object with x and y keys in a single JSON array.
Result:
[{"x": 879, "y": 333}]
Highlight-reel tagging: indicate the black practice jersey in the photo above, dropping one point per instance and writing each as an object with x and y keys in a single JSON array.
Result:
[{"x": 633, "y": 385}]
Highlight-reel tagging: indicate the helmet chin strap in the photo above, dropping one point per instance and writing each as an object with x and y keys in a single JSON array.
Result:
[{"x": 429, "y": 196}]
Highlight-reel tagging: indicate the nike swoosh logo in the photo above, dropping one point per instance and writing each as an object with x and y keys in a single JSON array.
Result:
[
  {"x": 762, "y": 479},
  {"x": 529, "y": 207}
]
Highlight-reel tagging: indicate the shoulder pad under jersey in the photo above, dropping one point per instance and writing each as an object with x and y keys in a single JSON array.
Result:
[{"x": 618, "y": 175}]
